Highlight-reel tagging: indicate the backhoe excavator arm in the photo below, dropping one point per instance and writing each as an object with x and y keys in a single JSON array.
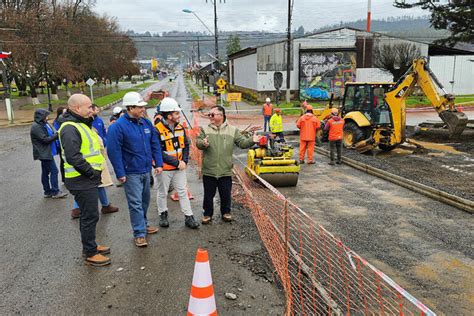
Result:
[{"x": 421, "y": 75}]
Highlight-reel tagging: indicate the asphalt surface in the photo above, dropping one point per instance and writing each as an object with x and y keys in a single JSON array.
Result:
[
  {"x": 423, "y": 245},
  {"x": 42, "y": 270}
]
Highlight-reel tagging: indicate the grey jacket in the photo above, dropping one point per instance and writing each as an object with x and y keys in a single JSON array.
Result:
[{"x": 39, "y": 136}]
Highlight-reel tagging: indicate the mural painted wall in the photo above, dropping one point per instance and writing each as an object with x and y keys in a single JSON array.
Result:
[{"x": 324, "y": 72}]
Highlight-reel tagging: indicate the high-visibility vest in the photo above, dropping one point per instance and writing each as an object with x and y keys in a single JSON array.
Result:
[
  {"x": 90, "y": 149},
  {"x": 336, "y": 129},
  {"x": 171, "y": 143},
  {"x": 276, "y": 123},
  {"x": 268, "y": 109}
]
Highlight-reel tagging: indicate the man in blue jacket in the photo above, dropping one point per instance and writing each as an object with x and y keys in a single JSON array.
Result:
[{"x": 133, "y": 148}]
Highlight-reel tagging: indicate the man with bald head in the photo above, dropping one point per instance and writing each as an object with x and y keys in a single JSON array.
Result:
[{"x": 83, "y": 165}]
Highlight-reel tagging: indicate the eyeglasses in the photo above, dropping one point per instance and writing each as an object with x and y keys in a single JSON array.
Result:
[{"x": 213, "y": 114}]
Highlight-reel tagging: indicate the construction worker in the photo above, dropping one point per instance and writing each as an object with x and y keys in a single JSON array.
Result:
[
  {"x": 175, "y": 151},
  {"x": 83, "y": 163},
  {"x": 276, "y": 125},
  {"x": 308, "y": 124},
  {"x": 335, "y": 126},
  {"x": 267, "y": 112},
  {"x": 132, "y": 146},
  {"x": 117, "y": 112}
]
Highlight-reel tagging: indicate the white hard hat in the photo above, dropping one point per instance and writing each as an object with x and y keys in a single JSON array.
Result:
[
  {"x": 117, "y": 110},
  {"x": 267, "y": 100},
  {"x": 133, "y": 99},
  {"x": 169, "y": 105}
]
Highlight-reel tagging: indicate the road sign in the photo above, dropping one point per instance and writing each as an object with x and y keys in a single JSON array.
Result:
[
  {"x": 221, "y": 91},
  {"x": 234, "y": 97},
  {"x": 221, "y": 83},
  {"x": 90, "y": 82}
]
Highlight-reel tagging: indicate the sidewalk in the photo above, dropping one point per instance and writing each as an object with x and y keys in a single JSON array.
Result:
[{"x": 25, "y": 116}]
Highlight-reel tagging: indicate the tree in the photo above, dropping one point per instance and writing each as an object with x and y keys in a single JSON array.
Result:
[
  {"x": 299, "y": 32},
  {"x": 233, "y": 44},
  {"x": 457, "y": 16},
  {"x": 395, "y": 58}
]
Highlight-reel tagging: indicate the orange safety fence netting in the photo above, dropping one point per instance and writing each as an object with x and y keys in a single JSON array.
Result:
[{"x": 320, "y": 274}]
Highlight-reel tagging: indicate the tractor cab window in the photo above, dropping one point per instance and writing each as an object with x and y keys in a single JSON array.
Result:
[
  {"x": 381, "y": 109},
  {"x": 369, "y": 100}
]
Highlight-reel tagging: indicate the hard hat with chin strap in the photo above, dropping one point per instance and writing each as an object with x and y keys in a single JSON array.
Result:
[
  {"x": 133, "y": 99},
  {"x": 169, "y": 105}
]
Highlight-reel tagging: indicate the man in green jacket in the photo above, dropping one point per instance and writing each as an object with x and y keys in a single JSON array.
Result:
[{"x": 217, "y": 142}]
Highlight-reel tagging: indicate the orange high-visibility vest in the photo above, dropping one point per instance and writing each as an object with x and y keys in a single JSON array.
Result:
[
  {"x": 171, "y": 143},
  {"x": 336, "y": 129},
  {"x": 268, "y": 109}
]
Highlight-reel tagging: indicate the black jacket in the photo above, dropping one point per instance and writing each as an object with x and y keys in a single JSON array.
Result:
[
  {"x": 71, "y": 144},
  {"x": 39, "y": 137}
]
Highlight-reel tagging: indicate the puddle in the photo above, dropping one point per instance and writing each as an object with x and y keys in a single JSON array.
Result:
[{"x": 439, "y": 147}]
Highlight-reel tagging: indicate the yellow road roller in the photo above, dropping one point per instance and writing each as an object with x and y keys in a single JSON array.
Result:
[{"x": 273, "y": 161}]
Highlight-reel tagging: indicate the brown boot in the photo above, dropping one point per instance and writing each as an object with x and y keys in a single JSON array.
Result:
[
  {"x": 97, "y": 260},
  {"x": 227, "y": 217},
  {"x": 151, "y": 230},
  {"x": 109, "y": 209},
  {"x": 141, "y": 242},
  {"x": 103, "y": 250},
  {"x": 75, "y": 213}
]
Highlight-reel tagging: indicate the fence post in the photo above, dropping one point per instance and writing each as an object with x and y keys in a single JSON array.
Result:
[{"x": 286, "y": 221}]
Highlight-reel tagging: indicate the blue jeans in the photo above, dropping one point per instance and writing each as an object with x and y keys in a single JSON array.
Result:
[
  {"x": 49, "y": 177},
  {"x": 137, "y": 191},
  {"x": 104, "y": 201},
  {"x": 266, "y": 120}
]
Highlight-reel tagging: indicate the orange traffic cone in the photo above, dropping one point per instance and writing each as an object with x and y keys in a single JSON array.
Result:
[
  {"x": 175, "y": 196},
  {"x": 202, "y": 300}
]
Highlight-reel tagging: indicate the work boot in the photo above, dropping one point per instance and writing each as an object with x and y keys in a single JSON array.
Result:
[
  {"x": 103, "y": 250},
  {"x": 311, "y": 162},
  {"x": 301, "y": 162},
  {"x": 164, "y": 220},
  {"x": 331, "y": 163},
  {"x": 227, "y": 217},
  {"x": 75, "y": 213},
  {"x": 206, "y": 220},
  {"x": 97, "y": 260},
  {"x": 190, "y": 222},
  {"x": 59, "y": 195},
  {"x": 339, "y": 162},
  {"x": 141, "y": 242},
  {"x": 109, "y": 209},
  {"x": 151, "y": 230}
]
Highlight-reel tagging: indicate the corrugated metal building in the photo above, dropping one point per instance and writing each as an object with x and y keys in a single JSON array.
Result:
[{"x": 323, "y": 62}]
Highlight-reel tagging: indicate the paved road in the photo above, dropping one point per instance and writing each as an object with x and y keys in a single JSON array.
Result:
[
  {"x": 42, "y": 272},
  {"x": 424, "y": 245}
]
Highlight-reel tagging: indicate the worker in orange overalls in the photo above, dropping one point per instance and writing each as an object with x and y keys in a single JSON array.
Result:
[
  {"x": 308, "y": 124},
  {"x": 267, "y": 112},
  {"x": 335, "y": 126}
]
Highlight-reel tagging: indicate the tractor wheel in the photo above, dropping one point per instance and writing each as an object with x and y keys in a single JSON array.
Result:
[
  {"x": 387, "y": 147},
  {"x": 352, "y": 134}
]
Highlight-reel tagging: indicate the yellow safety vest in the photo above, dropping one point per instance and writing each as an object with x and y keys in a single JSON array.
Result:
[
  {"x": 90, "y": 149},
  {"x": 171, "y": 144},
  {"x": 276, "y": 123}
]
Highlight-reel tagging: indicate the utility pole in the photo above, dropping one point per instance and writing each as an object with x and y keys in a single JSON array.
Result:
[
  {"x": 288, "y": 55},
  {"x": 45, "y": 60},
  {"x": 199, "y": 51},
  {"x": 216, "y": 39}
]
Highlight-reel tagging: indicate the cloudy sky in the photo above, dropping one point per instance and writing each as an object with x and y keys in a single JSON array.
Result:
[{"x": 157, "y": 16}]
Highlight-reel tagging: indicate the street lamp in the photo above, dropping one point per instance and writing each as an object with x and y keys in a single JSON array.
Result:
[
  {"x": 45, "y": 56},
  {"x": 194, "y": 13}
]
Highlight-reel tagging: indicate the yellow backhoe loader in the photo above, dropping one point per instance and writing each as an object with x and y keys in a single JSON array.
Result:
[{"x": 375, "y": 113}]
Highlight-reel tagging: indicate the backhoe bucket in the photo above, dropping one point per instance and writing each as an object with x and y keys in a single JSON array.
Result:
[{"x": 456, "y": 122}]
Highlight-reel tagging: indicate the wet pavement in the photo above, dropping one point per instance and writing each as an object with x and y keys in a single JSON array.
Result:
[{"x": 42, "y": 271}]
